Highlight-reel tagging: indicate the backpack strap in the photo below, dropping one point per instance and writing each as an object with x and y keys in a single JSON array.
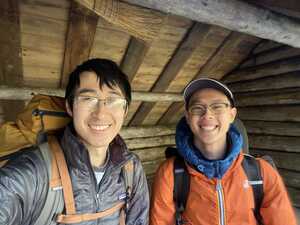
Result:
[
  {"x": 252, "y": 170},
  {"x": 181, "y": 188},
  {"x": 64, "y": 173},
  {"x": 60, "y": 170}
]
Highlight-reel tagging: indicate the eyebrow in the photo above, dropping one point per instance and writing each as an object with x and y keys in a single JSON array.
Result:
[{"x": 92, "y": 91}]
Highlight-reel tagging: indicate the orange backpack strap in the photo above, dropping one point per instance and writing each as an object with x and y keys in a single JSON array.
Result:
[
  {"x": 63, "y": 173},
  {"x": 78, "y": 218},
  {"x": 60, "y": 170}
]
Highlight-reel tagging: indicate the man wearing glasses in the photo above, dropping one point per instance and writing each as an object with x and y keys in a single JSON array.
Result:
[
  {"x": 219, "y": 190},
  {"x": 97, "y": 99}
]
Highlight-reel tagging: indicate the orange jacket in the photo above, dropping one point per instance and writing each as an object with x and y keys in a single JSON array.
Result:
[{"x": 202, "y": 204}]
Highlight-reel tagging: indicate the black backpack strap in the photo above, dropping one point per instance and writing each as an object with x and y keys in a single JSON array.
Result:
[
  {"x": 252, "y": 170},
  {"x": 181, "y": 188}
]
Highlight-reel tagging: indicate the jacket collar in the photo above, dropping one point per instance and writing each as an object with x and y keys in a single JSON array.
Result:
[
  {"x": 77, "y": 155},
  {"x": 210, "y": 168}
]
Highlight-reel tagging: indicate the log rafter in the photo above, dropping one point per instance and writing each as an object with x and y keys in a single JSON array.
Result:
[
  {"x": 234, "y": 15},
  {"x": 13, "y": 93}
]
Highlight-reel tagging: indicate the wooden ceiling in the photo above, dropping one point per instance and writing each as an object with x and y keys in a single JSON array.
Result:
[{"x": 43, "y": 40}]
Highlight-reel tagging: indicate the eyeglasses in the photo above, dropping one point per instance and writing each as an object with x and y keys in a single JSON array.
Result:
[
  {"x": 91, "y": 102},
  {"x": 215, "y": 108}
]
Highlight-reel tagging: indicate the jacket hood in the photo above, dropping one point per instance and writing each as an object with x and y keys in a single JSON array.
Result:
[
  {"x": 210, "y": 168},
  {"x": 77, "y": 154}
]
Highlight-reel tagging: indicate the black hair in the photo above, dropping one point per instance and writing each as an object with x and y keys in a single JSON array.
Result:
[{"x": 108, "y": 73}]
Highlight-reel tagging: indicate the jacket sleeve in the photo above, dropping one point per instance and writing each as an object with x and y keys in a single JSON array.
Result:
[
  {"x": 276, "y": 207},
  {"x": 162, "y": 210},
  {"x": 138, "y": 210},
  {"x": 22, "y": 185}
]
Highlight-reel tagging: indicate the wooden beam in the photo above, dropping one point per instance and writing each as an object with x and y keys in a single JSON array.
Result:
[
  {"x": 280, "y": 81},
  {"x": 271, "y": 113},
  {"x": 193, "y": 37},
  {"x": 278, "y": 53},
  {"x": 262, "y": 99},
  {"x": 138, "y": 21},
  {"x": 283, "y": 160},
  {"x": 264, "y": 70},
  {"x": 280, "y": 143},
  {"x": 80, "y": 37},
  {"x": 272, "y": 128},
  {"x": 134, "y": 57},
  {"x": 11, "y": 93},
  {"x": 234, "y": 15}
]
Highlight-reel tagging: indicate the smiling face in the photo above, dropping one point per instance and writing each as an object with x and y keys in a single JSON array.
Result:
[
  {"x": 96, "y": 126},
  {"x": 210, "y": 129}
]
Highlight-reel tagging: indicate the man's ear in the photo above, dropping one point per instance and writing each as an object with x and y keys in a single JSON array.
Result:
[
  {"x": 68, "y": 108},
  {"x": 233, "y": 112},
  {"x": 187, "y": 118}
]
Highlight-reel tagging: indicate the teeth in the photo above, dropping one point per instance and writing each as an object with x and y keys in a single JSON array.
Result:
[
  {"x": 99, "y": 127},
  {"x": 208, "y": 128}
]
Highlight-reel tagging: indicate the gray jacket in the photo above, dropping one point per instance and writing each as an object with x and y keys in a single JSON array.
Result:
[{"x": 24, "y": 185}]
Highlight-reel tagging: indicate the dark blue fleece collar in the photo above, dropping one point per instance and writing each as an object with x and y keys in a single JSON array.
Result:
[{"x": 210, "y": 168}]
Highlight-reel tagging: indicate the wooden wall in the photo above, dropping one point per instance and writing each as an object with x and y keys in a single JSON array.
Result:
[{"x": 267, "y": 89}]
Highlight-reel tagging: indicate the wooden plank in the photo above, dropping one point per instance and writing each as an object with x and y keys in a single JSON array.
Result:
[
  {"x": 150, "y": 154},
  {"x": 271, "y": 113},
  {"x": 291, "y": 97},
  {"x": 136, "y": 143},
  {"x": 146, "y": 131},
  {"x": 134, "y": 57},
  {"x": 271, "y": 142},
  {"x": 264, "y": 70},
  {"x": 283, "y": 160},
  {"x": 272, "y": 128},
  {"x": 183, "y": 52},
  {"x": 281, "y": 52},
  {"x": 291, "y": 178},
  {"x": 286, "y": 80},
  {"x": 255, "y": 21},
  {"x": 80, "y": 37},
  {"x": 140, "y": 22},
  {"x": 151, "y": 166}
]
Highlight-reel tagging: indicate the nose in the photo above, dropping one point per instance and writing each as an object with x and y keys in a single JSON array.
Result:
[
  {"x": 208, "y": 113},
  {"x": 99, "y": 107}
]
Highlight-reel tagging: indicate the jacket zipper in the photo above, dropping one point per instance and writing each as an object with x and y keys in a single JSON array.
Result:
[{"x": 220, "y": 202}]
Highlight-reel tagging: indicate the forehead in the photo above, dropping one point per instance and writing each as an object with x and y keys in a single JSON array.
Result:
[
  {"x": 89, "y": 81},
  {"x": 208, "y": 95}
]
